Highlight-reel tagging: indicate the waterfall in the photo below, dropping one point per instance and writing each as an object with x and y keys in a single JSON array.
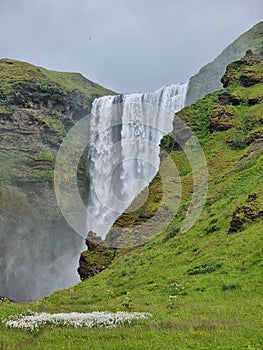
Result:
[{"x": 123, "y": 155}]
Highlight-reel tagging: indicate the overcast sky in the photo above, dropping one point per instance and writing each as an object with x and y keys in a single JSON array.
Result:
[{"x": 125, "y": 45}]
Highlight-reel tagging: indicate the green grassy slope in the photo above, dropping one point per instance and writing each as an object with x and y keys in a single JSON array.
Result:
[
  {"x": 203, "y": 287},
  {"x": 23, "y": 72},
  {"x": 208, "y": 78}
]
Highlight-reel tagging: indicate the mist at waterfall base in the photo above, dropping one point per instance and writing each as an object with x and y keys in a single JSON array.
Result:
[{"x": 35, "y": 261}]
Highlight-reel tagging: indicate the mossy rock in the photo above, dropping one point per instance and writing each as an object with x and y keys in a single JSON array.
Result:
[
  {"x": 247, "y": 72},
  {"x": 222, "y": 118}
]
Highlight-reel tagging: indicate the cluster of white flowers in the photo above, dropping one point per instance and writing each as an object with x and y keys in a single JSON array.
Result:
[{"x": 75, "y": 319}]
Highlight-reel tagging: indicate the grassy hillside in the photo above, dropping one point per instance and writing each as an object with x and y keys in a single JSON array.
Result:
[
  {"x": 208, "y": 78},
  {"x": 203, "y": 287},
  {"x": 14, "y": 73}
]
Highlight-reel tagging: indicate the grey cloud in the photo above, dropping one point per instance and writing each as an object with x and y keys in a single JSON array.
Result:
[{"x": 124, "y": 45}]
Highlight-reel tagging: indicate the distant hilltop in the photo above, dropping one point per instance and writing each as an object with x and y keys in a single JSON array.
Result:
[{"x": 208, "y": 78}]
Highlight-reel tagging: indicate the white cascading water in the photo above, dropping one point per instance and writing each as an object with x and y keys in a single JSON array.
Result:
[{"x": 123, "y": 158}]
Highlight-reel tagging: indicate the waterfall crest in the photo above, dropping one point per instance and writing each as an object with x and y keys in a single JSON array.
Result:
[{"x": 123, "y": 155}]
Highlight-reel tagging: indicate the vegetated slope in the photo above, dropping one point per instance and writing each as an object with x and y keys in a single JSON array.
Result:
[
  {"x": 17, "y": 74},
  {"x": 37, "y": 108},
  {"x": 208, "y": 78},
  {"x": 203, "y": 287}
]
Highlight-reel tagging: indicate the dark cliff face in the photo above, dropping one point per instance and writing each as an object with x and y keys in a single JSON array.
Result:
[
  {"x": 37, "y": 108},
  {"x": 208, "y": 78}
]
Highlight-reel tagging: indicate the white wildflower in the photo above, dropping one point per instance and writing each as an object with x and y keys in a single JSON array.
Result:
[{"x": 75, "y": 319}]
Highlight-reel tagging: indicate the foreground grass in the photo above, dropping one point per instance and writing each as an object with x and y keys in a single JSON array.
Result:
[
  {"x": 184, "y": 324},
  {"x": 214, "y": 279}
]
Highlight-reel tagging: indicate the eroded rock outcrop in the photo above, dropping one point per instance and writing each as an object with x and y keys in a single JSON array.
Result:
[
  {"x": 249, "y": 212},
  {"x": 245, "y": 71},
  {"x": 221, "y": 118},
  {"x": 96, "y": 258}
]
